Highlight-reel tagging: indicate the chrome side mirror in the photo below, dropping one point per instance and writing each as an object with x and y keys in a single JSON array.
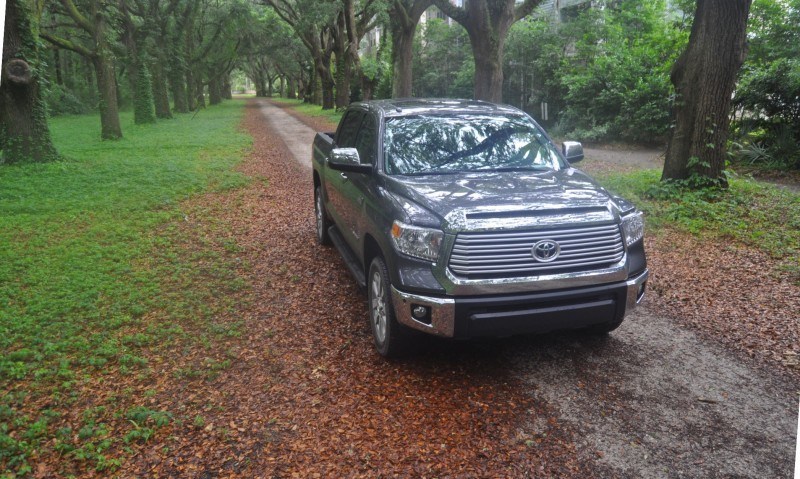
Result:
[
  {"x": 573, "y": 151},
  {"x": 345, "y": 156}
]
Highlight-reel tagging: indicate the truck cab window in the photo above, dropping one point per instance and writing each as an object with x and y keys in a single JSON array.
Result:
[
  {"x": 346, "y": 136},
  {"x": 366, "y": 140}
]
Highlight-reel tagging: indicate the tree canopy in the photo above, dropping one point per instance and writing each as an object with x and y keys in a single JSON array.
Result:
[{"x": 596, "y": 71}]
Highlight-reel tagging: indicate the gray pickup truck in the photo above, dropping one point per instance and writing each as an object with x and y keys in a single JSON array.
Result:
[{"x": 462, "y": 219}]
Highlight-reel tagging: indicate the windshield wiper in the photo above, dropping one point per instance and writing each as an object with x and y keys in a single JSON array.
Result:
[
  {"x": 516, "y": 168},
  {"x": 487, "y": 143}
]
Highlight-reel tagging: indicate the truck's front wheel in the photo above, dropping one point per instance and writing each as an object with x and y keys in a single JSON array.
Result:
[
  {"x": 321, "y": 218},
  {"x": 390, "y": 337}
]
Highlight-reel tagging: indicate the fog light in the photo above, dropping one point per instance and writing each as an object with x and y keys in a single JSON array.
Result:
[
  {"x": 421, "y": 313},
  {"x": 640, "y": 293}
]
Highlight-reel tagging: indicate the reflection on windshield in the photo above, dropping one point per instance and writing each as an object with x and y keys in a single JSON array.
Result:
[{"x": 426, "y": 144}]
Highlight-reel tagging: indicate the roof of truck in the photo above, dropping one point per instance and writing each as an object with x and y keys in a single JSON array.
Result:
[{"x": 418, "y": 106}]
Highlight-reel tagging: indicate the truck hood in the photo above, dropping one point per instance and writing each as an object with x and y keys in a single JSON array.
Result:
[{"x": 503, "y": 193}]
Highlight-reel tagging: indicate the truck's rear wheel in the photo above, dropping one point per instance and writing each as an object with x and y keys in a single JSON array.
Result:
[
  {"x": 321, "y": 217},
  {"x": 390, "y": 337}
]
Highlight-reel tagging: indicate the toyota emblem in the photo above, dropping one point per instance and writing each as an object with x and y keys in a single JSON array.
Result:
[{"x": 545, "y": 251}]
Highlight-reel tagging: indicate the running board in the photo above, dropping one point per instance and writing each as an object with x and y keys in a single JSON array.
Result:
[{"x": 348, "y": 256}]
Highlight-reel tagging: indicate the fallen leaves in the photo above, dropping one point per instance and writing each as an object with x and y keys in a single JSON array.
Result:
[
  {"x": 728, "y": 293},
  {"x": 307, "y": 395}
]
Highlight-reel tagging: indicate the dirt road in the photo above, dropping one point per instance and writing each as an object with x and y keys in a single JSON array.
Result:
[{"x": 652, "y": 400}]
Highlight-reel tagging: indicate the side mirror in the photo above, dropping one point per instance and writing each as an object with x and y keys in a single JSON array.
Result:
[
  {"x": 345, "y": 156},
  {"x": 573, "y": 151},
  {"x": 347, "y": 159}
]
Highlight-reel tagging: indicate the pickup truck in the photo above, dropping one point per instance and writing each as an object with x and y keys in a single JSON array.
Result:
[{"x": 462, "y": 219}]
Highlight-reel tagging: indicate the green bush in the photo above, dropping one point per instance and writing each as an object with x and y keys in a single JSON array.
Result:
[{"x": 768, "y": 99}]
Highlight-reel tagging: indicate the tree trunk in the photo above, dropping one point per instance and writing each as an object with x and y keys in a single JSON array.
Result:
[
  {"x": 160, "y": 96},
  {"x": 110, "y": 128},
  {"x": 342, "y": 97},
  {"x": 326, "y": 83},
  {"x": 200, "y": 94},
  {"x": 487, "y": 22},
  {"x": 488, "y": 58},
  {"x": 405, "y": 16},
  {"x": 57, "y": 66},
  {"x": 144, "y": 111},
  {"x": 704, "y": 77},
  {"x": 191, "y": 94},
  {"x": 24, "y": 134},
  {"x": 214, "y": 95},
  {"x": 402, "y": 61},
  {"x": 178, "y": 88},
  {"x": 227, "y": 88}
]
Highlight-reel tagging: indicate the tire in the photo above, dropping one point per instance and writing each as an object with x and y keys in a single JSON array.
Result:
[
  {"x": 322, "y": 222},
  {"x": 390, "y": 337}
]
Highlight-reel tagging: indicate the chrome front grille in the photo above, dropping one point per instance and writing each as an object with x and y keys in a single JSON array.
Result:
[{"x": 509, "y": 253}]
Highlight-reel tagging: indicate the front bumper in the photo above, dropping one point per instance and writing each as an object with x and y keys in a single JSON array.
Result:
[{"x": 503, "y": 315}]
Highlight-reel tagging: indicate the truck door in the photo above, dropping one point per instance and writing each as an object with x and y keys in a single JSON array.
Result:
[
  {"x": 337, "y": 181},
  {"x": 361, "y": 192}
]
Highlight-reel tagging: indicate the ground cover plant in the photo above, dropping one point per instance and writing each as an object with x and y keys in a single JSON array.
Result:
[
  {"x": 95, "y": 276},
  {"x": 760, "y": 215}
]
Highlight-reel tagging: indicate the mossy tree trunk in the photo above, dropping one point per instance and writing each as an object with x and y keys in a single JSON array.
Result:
[
  {"x": 178, "y": 87},
  {"x": 144, "y": 111},
  {"x": 24, "y": 134},
  {"x": 704, "y": 77},
  {"x": 160, "y": 95}
]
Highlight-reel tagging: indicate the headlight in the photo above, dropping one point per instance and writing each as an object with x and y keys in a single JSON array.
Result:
[
  {"x": 633, "y": 227},
  {"x": 423, "y": 243}
]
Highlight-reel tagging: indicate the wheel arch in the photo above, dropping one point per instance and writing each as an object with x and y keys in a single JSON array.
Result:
[{"x": 371, "y": 250}]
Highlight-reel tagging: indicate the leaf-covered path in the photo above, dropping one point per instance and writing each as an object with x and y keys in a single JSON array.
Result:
[{"x": 306, "y": 396}]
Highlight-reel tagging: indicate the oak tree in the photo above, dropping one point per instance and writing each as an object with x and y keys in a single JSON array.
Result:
[
  {"x": 24, "y": 134},
  {"x": 704, "y": 77},
  {"x": 487, "y": 23}
]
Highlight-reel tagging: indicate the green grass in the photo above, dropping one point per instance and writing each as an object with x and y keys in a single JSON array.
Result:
[
  {"x": 90, "y": 255},
  {"x": 314, "y": 111},
  {"x": 753, "y": 213}
]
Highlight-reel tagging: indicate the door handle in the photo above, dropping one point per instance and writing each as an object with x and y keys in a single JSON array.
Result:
[{"x": 343, "y": 175}]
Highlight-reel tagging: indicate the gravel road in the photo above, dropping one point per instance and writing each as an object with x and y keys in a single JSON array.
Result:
[{"x": 650, "y": 400}]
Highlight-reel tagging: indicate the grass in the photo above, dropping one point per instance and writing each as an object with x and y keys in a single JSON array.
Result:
[
  {"x": 92, "y": 272},
  {"x": 314, "y": 111},
  {"x": 753, "y": 213}
]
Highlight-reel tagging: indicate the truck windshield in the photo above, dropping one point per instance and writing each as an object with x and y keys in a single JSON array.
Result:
[{"x": 442, "y": 144}]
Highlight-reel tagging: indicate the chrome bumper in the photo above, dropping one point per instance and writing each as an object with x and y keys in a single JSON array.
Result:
[{"x": 442, "y": 315}]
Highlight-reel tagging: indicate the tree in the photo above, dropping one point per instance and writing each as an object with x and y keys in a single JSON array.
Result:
[
  {"x": 315, "y": 24},
  {"x": 767, "y": 100},
  {"x": 487, "y": 22},
  {"x": 92, "y": 19},
  {"x": 443, "y": 61},
  {"x": 24, "y": 134},
  {"x": 704, "y": 77},
  {"x": 404, "y": 17}
]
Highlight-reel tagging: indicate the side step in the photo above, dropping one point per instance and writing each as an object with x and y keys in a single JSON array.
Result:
[{"x": 348, "y": 256}]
